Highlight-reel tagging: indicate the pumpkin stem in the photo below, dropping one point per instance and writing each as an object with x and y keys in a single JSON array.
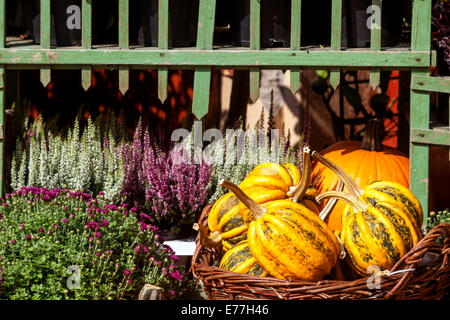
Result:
[
  {"x": 353, "y": 188},
  {"x": 213, "y": 241},
  {"x": 373, "y": 135},
  {"x": 257, "y": 210},
  {"x": 350, "y": 199},
  {"x": 331, "y": 203},
  {"x": 305, "y": 181}
]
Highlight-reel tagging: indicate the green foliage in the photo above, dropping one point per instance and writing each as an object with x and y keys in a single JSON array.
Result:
[{"x": 45, "y": 232}]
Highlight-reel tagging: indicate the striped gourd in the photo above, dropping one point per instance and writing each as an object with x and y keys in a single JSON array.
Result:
[
  {"x": 378, "y": 192},
  {"x": 374, "y": 235},
  {"x": 288, "y": 239},
  {"x": 228, "y": 219},
  {"x": 240, "y": 259}
]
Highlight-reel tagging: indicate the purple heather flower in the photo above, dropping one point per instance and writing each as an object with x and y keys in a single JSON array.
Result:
[
  {"x": 172, "y": 292},
  {"x": 144, "y": 216},
  {"x": 40, "y": 230},
  {"x": 127, "y": 272},
  {"x": 12, "y": 241},
  {"x": 105, "y": 223},
  {"x": 46, "y": 198},
  {"x": 27, "y": 237},
  {"x": 174, "y": 257},
  {"x": 176, "y": 275},
  {"x": 128, "y": 281},
  {"x": 21, "y": 226},
  {"x": 98, "y": 254},
  {"x": 97, "y": 234},
  {"x": 64, "y": 220}
]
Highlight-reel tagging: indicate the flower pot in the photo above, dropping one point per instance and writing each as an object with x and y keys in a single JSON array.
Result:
[
  {"x": 356, "y": 33},
  {"x": 183, "y": 19}
]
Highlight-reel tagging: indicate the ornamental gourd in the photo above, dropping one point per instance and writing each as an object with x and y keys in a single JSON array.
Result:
[
  {"x": 374, "y": 235},
  {"x": 364, "y": 162},
  {"x": 377, "y": 192},
  {"x": 288, "y": 239},
  {"x": 228, "y": 220},
  {"x": 240, "y": 259}
]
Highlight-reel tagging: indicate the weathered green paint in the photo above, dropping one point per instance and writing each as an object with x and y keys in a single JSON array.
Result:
[
  {"x": 427, "y": 136},
  {"x": 375, "y": 43},
  {"x": 202, "y": 76},
  {"x": 255, "y": 44},
  {"x": 2, "y": 126},
  {"x": 202, "y": 81},
  {"x": 86, "y": 40},
  {"x": 296, "y": 22},
  {"x": 361, "y": 59},
  {"x": 336, "y": 35},
  {"x": 45, "y": 37},
  {"x": 420, "y": 105},
  {"x": 2, "y": 23},
  {"x": 431, "y": 84},
  {"x": 124, "y": 42},
  {"x": 163, "y": 43}
]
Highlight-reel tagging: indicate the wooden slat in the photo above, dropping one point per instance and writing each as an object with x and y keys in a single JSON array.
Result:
[
  {"x": 255, "y": 44},
  {"x": 420, "y": 105},
  {"x": 86, "y": 41},
  {"x": 336, "y": 35},
  {"x": 427, "y": 136},
  {"x": 2, "y": 23},
  {"x": 45, "y": 39},
  {"x": 357, "y": 59},
  {"x": 375, "y": 41},
  {"x": 163, "y": 43},
  {"x": 296, "y": 16},
  {"x": 202, "y": 75},
  {"x": 124, "y": 43},
  {"x": 431, "y": 84}
]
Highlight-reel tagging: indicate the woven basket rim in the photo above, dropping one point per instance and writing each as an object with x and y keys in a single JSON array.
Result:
[{"x": 428, "y": 280}]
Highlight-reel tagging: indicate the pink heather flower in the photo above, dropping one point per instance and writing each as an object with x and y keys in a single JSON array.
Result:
[
  {"x": 97, "y": 254},
  {"x": 7, "y": 195},
  {"x": 27, "y": 237},
  {"x": 146, "y": 249},
  {"x": 71, "y": 215},
  {"x": 176, "y": 275},
  {"x": 40, "y": 230},
  {"x": 98, "y": 234},
  {"x": 164, "y": 270},
  {"x": 4, "y": 204},
  {"x": 174, "y": 257},
  {"x": 142, "y": 225},
  {"x": 154, "y": 228},
  {"x": 55, "y": 226},
  {"x": 137, "y": 250},
  {"x": 144, "y": 216},
  {"x": 105, "y": 223},
  {"x": 64, "y": 220},
  {"x": 133, "y": 210},
  {"x": 64, "y": 208},
  {"x": 128, "y": 281},
  {"x": 21, "y": 225},
  {"x": 127, "y": 272},
  {"x": 12, "y": 241},
  {"x": 91, "y": 238},
  {"x": 109, "y": 251},
  {"x": 49, "y": 231},
  {"x": 172, "y": 292}
]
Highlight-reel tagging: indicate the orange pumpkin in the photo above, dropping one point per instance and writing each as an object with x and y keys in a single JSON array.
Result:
[{"x": 364, "y": 162}]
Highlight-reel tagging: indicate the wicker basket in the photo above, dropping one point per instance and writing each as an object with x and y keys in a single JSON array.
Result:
[{"x": 423, "y": 273}]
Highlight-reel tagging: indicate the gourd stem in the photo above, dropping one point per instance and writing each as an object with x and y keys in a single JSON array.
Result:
[
  {"x": 353, "y": 201},
  {"x": 330, "y": 204},
  {"x": 373, "y": 135},
  {"x": 353, "y": 188},
  {"x": 305, "y": 181},
  {"x": 257, "y": 210}
]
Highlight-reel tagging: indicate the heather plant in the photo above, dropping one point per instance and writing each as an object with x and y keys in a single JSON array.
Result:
[
  {"x": 57, "y": 244},
  {"x": 89, "y": 160},
  {"x": 234, "y": 157},
  {"x": 173, "y": 191}
]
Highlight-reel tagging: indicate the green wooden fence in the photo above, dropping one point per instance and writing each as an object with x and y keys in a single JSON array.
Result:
[{"x": 417, "y": 58}]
